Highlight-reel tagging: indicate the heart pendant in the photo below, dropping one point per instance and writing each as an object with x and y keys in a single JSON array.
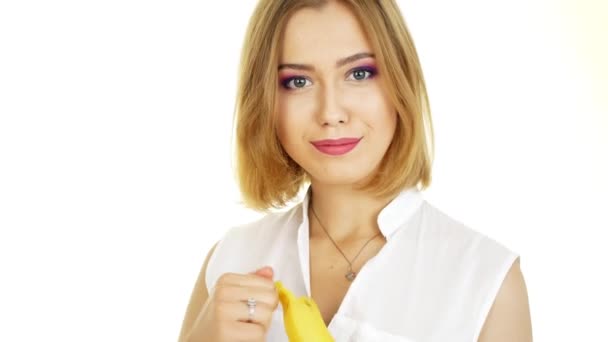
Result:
[{"x": 350, "y": 275}]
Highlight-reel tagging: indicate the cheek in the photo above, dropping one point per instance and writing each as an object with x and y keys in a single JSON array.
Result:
[
  {"x": 285, "y": 131},
  {"x": 283, "y": 120},
  {"x": 292, "y": 117},
  {"x": 376, "y": 111}
]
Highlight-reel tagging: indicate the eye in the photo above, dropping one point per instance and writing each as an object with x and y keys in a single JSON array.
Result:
[
  {"x": 361, "y": 74},
  {"x": 299, "y": 82},
  {"x": 294, "y": 82}
]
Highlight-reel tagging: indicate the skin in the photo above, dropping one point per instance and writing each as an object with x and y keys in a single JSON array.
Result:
[
  {"x": 219, "y": 315},
  {"x": 334, "y": 91},
  {"x": 334, "y": 102},
  {"x": 198, "y": 298},
  {"x": 326, "y": 100},
  {"x": 329, "y": 101},
  {"x": 509, "y": 318}
]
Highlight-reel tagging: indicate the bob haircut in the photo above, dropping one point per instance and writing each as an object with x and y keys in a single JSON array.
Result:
[{"x": 267, "y": 177}]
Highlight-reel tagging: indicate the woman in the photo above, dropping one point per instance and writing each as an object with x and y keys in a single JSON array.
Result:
[{"x": 332, "y": 100}]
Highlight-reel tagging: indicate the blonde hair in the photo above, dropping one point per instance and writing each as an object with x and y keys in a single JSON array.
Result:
[{"x": 267, "y": 176}]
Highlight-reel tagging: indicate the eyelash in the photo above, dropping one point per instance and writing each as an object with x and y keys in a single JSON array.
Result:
[{"x": 370, "y": 70}]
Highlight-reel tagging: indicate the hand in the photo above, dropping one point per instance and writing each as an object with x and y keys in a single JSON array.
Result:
[{"x": 224, "y": 317}]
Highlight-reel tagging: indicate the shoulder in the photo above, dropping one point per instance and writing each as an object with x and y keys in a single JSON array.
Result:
[
  {"x": 475, "y": 256},
  {"x": 247, "y": 246},
  {"x": 263, "y": 229},
  {"x": 484, "y": 269},
  {"x": 457, "y": 237}
]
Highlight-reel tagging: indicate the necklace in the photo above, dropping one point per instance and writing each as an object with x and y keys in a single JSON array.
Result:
[{"x": 350, "y": 275}]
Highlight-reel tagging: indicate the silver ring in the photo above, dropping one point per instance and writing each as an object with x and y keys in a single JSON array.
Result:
[{"x": 251, "y": 303}]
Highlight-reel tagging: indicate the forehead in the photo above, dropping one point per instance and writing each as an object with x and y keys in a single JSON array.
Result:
[{"x": 331, "y": 31}]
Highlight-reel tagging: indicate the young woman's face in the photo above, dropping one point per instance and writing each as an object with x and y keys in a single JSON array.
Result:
[{"x": 329, "y": 89}]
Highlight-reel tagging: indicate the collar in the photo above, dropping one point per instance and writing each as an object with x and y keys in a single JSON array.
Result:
[{"x": 391, "y": 217}]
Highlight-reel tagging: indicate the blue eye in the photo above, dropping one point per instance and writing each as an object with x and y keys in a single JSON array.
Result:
[
  {"x": 298, "y": 82},
  {"x": 360, "y": 73}
]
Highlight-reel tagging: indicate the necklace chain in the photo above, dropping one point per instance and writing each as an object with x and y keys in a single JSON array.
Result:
[{"x": 350, "y": 275}]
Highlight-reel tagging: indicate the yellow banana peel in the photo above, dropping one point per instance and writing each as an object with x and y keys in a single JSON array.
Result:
[{"x": 302, "y": 318}]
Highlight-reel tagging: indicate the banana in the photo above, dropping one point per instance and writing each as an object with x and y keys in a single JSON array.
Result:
[{"x": 302, "y": 318}]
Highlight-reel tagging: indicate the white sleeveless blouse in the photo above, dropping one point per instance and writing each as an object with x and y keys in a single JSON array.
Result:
[{"x": 434, "y": 280}]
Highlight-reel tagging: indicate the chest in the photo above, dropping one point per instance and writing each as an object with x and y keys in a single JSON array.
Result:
[{"x": 328, "y": 268}]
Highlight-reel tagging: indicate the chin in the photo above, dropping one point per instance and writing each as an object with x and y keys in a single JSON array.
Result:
[{"x": 341, "y": 176}]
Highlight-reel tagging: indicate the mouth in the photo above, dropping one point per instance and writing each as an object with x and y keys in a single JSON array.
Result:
[{"x": 336, "y": 147}]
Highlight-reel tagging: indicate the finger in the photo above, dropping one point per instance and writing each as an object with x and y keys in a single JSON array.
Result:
[
  {"x": 266, "y": 272},
  {"x": 246, "y": 280},
  {"x": 247, "y": 332},
  {"x": 239, "y": 312},
  {"x": 237, "y": 293}
]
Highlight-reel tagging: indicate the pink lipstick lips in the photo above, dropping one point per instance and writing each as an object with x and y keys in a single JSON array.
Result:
[{"x": 336, "y": 147}]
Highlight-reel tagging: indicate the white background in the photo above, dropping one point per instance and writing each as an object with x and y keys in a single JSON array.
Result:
[{"x": 115, "y": 174}]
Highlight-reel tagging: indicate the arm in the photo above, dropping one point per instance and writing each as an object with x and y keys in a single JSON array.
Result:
[
  {"x": 509, "y": 318},
  {"x": 197, "y": 299}
]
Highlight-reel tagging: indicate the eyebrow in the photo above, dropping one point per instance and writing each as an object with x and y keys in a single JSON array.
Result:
[{"x": 339, "y": 63}]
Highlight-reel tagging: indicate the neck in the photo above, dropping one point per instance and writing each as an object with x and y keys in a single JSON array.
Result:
[{"x": 346, "y": 214}]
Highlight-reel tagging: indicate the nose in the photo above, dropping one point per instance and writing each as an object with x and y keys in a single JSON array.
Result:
[{"x": 331, "y": 111}]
